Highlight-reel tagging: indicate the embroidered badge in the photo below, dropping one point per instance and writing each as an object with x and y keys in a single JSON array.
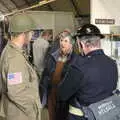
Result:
[
  {"x": 14, "y": 78},
  {"x": 88, "y": 30}
]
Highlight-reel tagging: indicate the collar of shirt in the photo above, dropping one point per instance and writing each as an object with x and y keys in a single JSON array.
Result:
[
  {"x": 56, "y": 55},
  {"x": 95, "y": 52},
  {"x": 21, "y": 50},
  {"x": 15, "y": 47}
]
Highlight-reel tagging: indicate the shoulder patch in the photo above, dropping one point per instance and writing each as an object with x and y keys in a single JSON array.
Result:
[{"x": 14, "y": 78}]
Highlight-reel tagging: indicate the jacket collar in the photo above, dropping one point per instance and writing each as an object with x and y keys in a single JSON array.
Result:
[
  {"x": 95, "y": 52},
  {"x": 15, "y": 47},
  {"x": 56, "y": 55}
]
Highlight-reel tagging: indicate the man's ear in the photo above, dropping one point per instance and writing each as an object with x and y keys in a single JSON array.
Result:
[{"x": 23, "y": 34}]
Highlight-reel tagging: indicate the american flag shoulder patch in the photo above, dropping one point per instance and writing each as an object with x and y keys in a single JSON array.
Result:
[{"x": 14, "y": 78}]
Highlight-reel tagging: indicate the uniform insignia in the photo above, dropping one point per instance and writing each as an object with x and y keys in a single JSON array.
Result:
[
  {"x": 88, "y": 30},
  {"x": 14, "y": 78}
]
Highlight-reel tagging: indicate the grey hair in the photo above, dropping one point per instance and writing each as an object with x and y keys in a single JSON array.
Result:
[
  {"x": 91, "y": 41},
  {"x": 67, "y": 34}
]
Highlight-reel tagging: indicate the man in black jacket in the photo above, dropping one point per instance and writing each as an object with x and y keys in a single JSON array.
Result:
[{"x": 92, "y": 77}]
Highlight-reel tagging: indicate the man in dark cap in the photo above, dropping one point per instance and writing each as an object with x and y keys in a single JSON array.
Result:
[{"x": 91, "y": 78}]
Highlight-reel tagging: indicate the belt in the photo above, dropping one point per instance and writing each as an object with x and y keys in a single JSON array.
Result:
[{"x": 75, "y": 111}]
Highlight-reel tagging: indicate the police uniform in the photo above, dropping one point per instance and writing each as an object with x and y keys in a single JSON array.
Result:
[
  {"x": 19, "y": 81},
  {"x": 91, "y": 78}
]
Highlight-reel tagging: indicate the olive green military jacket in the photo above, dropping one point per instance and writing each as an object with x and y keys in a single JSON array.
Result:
[{"x": 18, "y": 86}]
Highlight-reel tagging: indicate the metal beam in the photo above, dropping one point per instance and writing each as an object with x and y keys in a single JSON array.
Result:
[
  {"x": 49, "y": 6},
  {"x": 37, "y": 1},
  {"x": 15, "y": 4},
  {"x": 75, "y": 7},
  {"x": 5, "y": 5},
  {"x": 31, "y": 7}
]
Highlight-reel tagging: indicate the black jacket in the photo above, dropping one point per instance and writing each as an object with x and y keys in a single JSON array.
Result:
[{"x": 90, "y": 79}]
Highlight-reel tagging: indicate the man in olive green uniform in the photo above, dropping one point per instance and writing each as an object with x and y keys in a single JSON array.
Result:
[{"x": 19, "y": 82}]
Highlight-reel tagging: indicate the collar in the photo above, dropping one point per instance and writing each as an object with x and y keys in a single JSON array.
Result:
[
  {"x": 21, "y": 50},
  {"x": 95, "y": 52},
  {"x": 56, "y": 55}
]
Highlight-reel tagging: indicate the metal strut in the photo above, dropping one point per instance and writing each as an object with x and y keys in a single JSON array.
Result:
[{"x": 31, "y": 7}]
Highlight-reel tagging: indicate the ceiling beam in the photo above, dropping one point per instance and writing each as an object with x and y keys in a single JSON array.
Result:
[
  {"x": 29, "y": 3},
  {"x": 43, "y": 2},
  {"x": 20, "y": 6},
  {"x": 1, "y": 2},
  {"x": 48, "y": 5},
  {"x": 15, "y": 4},
  {"x": 75, "y": 7}
]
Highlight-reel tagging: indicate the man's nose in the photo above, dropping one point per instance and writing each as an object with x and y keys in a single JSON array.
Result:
[{"x": 63, "y": 43}]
